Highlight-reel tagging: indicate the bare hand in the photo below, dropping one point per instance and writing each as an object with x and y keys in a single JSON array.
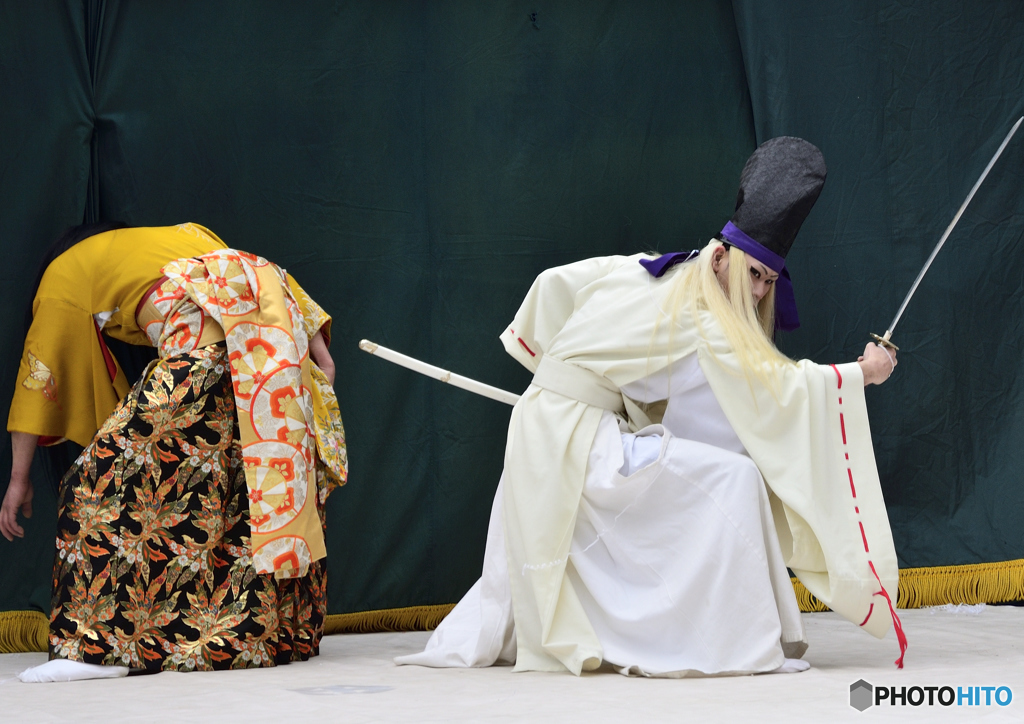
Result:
[
  {"x": 878, "y": 363},
  {"x": 19, "y": 490},
  {"x": 18, "y": 497}
]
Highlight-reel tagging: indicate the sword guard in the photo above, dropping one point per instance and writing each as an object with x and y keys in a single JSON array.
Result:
[{"x": 884, "y": 342}]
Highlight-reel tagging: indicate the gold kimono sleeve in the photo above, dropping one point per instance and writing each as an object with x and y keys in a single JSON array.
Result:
[{"x": 67, "y": 383}]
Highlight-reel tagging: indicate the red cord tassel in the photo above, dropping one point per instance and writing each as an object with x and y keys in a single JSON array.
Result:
[{"x": 896, "y": 623}]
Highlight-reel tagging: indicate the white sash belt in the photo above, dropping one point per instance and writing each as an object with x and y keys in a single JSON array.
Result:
[{"x": 578, "y": 383}]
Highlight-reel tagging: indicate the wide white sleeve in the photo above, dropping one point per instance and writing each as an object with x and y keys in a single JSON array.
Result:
[
  {"x": 812, "y": 443},
  {"x": 548, "y": 305}
]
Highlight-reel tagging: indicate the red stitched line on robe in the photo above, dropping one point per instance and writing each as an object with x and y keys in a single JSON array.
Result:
[{"x": 897, "y": 625}]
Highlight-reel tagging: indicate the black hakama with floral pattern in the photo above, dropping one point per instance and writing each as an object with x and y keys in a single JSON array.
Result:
[{"x": 154, "y": 568}]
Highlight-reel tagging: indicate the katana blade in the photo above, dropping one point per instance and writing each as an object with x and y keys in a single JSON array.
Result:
[
  {"x": 884, "y": 339},
  {"x": 465, "y": 383}
]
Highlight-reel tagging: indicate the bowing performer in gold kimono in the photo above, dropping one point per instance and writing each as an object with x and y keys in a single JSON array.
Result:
[
  {"x": 668, "y": 463},
  {"x": 190, "y": 530}
]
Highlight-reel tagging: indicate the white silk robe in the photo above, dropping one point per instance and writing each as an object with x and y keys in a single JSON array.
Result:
[{"x": 810, "y": 443}]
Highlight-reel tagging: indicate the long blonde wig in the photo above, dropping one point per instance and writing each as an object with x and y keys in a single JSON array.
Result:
[{"x": 748, "y": 328}]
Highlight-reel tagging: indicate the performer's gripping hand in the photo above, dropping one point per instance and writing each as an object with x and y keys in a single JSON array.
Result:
[{"x": 877, "y": 363}]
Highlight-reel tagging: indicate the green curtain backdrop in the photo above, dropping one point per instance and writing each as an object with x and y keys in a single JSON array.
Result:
[
  {"x": 908, "y": 101},
  {"x": 416, "y": 164}
]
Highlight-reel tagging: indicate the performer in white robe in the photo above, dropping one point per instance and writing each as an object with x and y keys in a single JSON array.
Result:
[{"x": 667, "y": 464}]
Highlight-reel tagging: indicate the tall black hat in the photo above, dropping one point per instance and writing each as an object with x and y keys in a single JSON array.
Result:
[{"x": 778, "y": 187}]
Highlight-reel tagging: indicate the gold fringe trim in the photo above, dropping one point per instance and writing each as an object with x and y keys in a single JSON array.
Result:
[
  {"x": 414, "y": 618},
  {"x": 972, "y": 583},
  {"x": 22, "y": 631},
  {"x": 807, "y": 602}
]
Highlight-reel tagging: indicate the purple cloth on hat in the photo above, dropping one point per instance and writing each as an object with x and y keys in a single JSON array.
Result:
[
  {"x": 735, "y": 236},
  {"x": 786, "y": 317}
]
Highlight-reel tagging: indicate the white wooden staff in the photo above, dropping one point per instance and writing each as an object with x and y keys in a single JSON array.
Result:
[{"x": 437, "y": 373}]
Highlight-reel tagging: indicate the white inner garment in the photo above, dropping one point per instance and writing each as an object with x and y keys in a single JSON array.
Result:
[{"x": 674, "y": 557}]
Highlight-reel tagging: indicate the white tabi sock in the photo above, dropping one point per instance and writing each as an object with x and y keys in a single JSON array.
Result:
[{"x": 65, "y": 670}]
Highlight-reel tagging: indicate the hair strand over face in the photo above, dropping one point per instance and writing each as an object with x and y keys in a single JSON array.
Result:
[{"x": 748, "y": 327}]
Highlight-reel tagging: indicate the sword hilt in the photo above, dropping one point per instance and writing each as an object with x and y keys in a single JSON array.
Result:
[{"x": 884, "y": 341}]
